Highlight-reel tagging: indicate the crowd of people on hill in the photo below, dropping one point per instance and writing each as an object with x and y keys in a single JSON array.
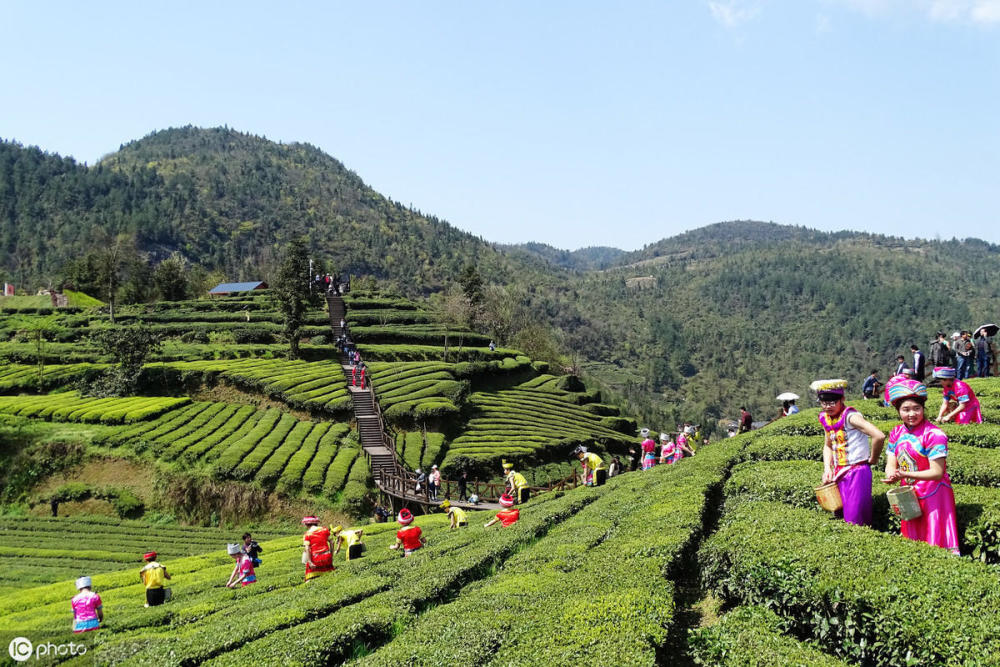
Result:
[
  {"x": 330, "y": 284},
  {"x": 970, "y": 353},
  {"x": 672, "y": 448}
]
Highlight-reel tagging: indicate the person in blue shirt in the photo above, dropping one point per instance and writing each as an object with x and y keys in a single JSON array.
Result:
[{"x": 870, "y": 388}]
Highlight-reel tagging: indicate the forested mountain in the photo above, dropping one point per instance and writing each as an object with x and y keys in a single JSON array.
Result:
[
  {"x": 689, "y": 327},
  {"x": 223, "y": 199},
  {"x": 725, "y": 324}
]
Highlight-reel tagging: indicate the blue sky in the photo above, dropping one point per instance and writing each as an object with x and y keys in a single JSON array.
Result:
[{"x": 570, "y": 123}]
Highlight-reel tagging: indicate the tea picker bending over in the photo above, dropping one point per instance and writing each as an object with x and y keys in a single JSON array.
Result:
[
  {"x": 243, "y": 572},
  {"x": 349, "y": 538},
  {"x": 516, "y": 483},
  {"x": 409, "y": 537},
  {"x": 153, "y": 577},
  {"x": 594, "y": 473},
  {"x": 457, "y": 518},
  {"x": 958, "y": 396},
  {"x": 508, "y": 516},
  {"x": 851, "y": 445}
]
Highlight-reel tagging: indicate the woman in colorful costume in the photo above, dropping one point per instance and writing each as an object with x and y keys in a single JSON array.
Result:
[
  {"x": 317, "y": 550},
  {"x": 507, "y": 516},
  {"x": 457, "y": 518},
  {"x": 917, "y": 456},
  {"x": 959, "y": 393},
  {"x": 668, "y": 449},
  {"x": 409, "y": 537},
  {"x": 88, "y": 610},
  {"x": 153, "y": 577},
  {"x": 851, "y": 445},
  {"x": 683, "y": 445},
  {"x": 350, "y": 539},
  {"x": 648, "y": 450},
  {"x": 243, "y": 572},
  {"x": 594, "y": 473},
  {"x": 516, "y": 483}
]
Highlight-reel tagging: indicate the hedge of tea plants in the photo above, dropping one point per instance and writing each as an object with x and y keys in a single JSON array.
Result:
[
  {"x": 317, "y": 386},
  {"x": 532, "y": 425},
  {"x": 240, "y": 442},
  {"x": 71, "y": 406},
  {"x": 42, "y": 550}
]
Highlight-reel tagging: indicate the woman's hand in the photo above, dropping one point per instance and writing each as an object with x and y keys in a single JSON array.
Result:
[
  {"x": 827, "y": 475},
  {"x": 892, "y": 476}
]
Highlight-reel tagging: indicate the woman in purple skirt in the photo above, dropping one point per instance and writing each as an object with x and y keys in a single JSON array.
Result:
[{"x": 851, "y": 446}]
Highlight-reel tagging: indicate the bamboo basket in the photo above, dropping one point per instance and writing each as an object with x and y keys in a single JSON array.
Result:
[{"x": 828, "y": 496}]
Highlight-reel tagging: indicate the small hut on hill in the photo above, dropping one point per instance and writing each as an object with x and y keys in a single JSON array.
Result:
[{"x": 224, "y": 289}]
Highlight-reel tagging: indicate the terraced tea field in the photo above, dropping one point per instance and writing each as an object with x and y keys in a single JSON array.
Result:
[
  {"x": 740, "y": 516},
  {"x": 36, "y": 551}
]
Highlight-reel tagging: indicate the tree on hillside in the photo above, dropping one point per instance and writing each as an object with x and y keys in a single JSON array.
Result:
[
  {"x": 501, "y": 312},
  {"x": 129, "y": 347},
  {"x": 38, "y": 330},
  {"x": 291, "y": 294},
  {"x": 104, "y": 270},
  {"x": 541, "y": 343},
  {"x": 170, "y": 278},
  {"x": 452, "y": 310},
  {"x": 472, "y": 287}
]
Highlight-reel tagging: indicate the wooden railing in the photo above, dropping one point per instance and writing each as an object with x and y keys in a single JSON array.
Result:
[{"x": 403, "y": 485}]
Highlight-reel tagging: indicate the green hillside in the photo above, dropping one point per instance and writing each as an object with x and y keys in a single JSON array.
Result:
[
  {"x": 688, "y": 328},
  {"x": 228, "y": 427}
]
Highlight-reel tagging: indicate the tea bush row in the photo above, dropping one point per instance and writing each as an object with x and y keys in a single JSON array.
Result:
[
  {"x": 598, "y": 589},
  {"x": 754, "y": 636},
  {"x": 71, "y": 406},
  {"x": 792, "y": 482},
  {"x": 806, "y": 567},
  {"x": 203, "y": 621}
]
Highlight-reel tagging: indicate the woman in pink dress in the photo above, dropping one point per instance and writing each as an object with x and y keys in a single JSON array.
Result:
[
  {"x": 88, "y": 612},
  {"x": 917, "y": 456},
  {"x": 958, "y": 392},
  {"x": 668, "y": 450},
  {"x": 648, "y": 450},
  {"x": 682, "y": 446}
]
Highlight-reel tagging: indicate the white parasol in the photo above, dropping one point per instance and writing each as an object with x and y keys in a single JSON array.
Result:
[{"x": 787, "y": 396}]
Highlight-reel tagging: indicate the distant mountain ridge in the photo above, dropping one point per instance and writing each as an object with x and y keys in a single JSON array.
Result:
[{"x": 583, "y": 259}]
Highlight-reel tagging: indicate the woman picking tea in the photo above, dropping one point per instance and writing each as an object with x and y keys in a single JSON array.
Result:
[
  {"x": 959, "y": 396},
  {"x": 851, "y": 445},
  {"x": 917, "y": 456}
]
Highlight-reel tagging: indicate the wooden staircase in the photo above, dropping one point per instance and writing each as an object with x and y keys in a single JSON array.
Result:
[
  {"x": 390, "y": 475},
  {"x": 371, "y": 432},
  {"x": 381, "y": 458},
  {"x": 338, "y": 311}
]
